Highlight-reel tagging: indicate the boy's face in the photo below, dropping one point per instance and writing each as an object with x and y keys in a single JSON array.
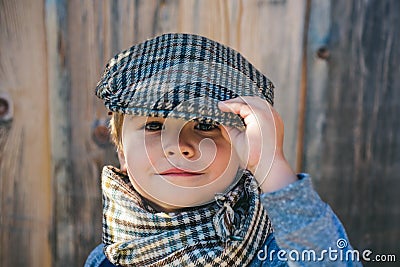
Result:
[{"x": 176, "y": 163}]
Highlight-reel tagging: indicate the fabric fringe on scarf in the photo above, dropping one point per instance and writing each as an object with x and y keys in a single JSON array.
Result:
[{"x": 226, "y": 232}]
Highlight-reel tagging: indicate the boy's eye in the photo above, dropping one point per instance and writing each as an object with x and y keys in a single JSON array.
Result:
[
  {"x": 154, "y": 126},
  {"x": 206, "y": 126}
]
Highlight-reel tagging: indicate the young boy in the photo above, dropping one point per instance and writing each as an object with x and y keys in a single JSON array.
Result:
[{"x": 203, "y": 179}]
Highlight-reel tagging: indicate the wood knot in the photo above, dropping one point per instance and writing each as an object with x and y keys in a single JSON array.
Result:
[
  {"x": 6, "y": 107},
  {"x": 101, "y": 133},
  {"x": 323, "y": 53}
]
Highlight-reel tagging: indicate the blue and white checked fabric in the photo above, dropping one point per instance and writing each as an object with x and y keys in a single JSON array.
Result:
[
  {"x": 227, "y": 232},
  {"x": 180, "y": 76}
]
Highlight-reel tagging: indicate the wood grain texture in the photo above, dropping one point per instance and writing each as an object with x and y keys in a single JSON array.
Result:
[
  {"x": 77, "y": 159},
  {"x": 25, "y": 183},
  {"x": 53, "y": 53},
  {"x": 353, "y": 133}
]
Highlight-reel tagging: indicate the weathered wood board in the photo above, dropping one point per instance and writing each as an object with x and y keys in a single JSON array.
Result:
[
  {"x": 352, "y": 144},
  {"x": 342, "y": 56}
]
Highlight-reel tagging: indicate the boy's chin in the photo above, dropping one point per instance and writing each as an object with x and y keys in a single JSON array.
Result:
[
  {"x": 173, "y": 198},
  {"x": 182, "y": 199},
  {"x": 167, "y": 208},
  {"x": 165, "y": 195}
]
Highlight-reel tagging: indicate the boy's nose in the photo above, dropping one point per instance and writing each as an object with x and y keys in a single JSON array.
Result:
[
  {"x": 186, "y": 150},
  {"x": 183, "y": 145}
]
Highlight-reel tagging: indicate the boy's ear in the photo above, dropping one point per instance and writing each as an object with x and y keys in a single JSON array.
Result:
[{"x": 122, "y": 161}]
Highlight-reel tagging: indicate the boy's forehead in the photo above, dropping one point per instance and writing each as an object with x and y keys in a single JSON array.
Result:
[{"x": 180, "y": 76}]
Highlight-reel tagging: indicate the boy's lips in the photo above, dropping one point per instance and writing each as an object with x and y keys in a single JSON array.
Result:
[{"x": 179, "y": 172}]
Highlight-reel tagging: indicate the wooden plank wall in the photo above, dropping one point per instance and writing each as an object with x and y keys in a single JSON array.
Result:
[
  {"x": 53, "y": 148},
  {"x": 352, "y": 144},
  {"x": 25, "y": 182}
]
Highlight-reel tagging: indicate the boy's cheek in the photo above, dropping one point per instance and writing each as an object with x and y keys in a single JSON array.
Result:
[
  {"x": 226, "y": 159},
  {"x": 140, "y": 158}
]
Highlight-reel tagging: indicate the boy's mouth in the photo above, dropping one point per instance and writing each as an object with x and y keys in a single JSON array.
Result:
[{"x": 179, "y": 172}]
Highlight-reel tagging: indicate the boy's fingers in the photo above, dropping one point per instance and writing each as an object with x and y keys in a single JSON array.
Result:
[
  {"x": 245, "y": 109},
  {"x": 233, "y": 100},
  {"x": 242, "y": 109},
  {"x": 230, "y": 106},
  {"x": 254, "y": 102},
  {"x": 243, "y": 99}
]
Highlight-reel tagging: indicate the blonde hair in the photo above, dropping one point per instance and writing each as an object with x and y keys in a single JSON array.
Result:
[{"x": 116, "y": 123}]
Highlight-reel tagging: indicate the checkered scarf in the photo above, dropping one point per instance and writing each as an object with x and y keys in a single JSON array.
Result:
[
  {"x": 226, "y": 232},
  {"x": 180, "y": 76}
]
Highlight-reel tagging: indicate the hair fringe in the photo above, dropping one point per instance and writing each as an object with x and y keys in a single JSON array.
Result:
[{"x": 115, "y": 127}]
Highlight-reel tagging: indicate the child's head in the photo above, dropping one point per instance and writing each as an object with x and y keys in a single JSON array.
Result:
[{"x": 166, "y": 124}]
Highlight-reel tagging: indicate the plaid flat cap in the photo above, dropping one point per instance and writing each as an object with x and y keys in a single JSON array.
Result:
[{"x": 180, "y": 76}]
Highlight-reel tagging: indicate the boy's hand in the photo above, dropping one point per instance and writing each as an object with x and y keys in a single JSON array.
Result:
[{"x": 260, "y": 146}]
